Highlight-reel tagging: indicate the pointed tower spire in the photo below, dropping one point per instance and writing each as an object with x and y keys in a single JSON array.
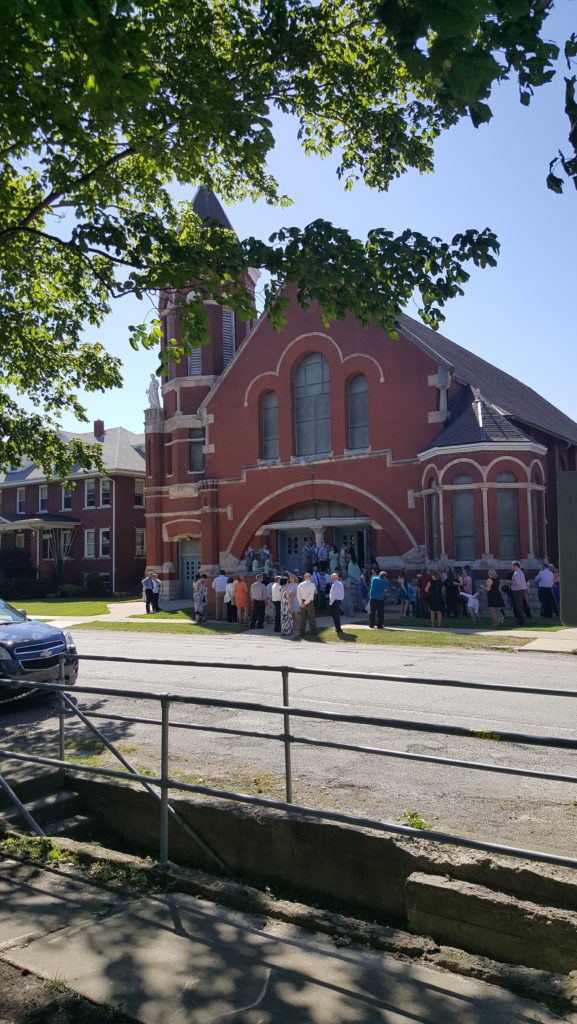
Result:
[{"x": 207, "y": 207}]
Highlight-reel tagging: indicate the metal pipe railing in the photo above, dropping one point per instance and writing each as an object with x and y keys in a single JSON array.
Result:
[{"x": 164, "y": 783}]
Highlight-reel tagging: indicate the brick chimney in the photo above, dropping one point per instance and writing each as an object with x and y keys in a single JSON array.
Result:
[{"x": 99, "y": 430}]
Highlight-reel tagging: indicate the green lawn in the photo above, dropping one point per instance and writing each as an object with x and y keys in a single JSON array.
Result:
[
  {"x": 379, "y": 638},
  {"x": 417, "y": 638},
  {"x": 152, "y": 625},
  {"x": 68, "y": 605},
  {"x": 62, "y": 606},
  {"x": 551, "y": 625},
  {"x": 536, "y": 623}
]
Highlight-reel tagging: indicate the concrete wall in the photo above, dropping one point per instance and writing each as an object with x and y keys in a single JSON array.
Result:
[{"x": 357, "y": 871}]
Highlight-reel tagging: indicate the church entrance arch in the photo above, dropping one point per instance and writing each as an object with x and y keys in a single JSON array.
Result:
[{"x": 318, "y": 522}]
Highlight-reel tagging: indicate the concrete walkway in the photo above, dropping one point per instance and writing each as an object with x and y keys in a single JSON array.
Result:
[
  {"x": 173, "y": 959},
  {"x": 544, "y": 641}
]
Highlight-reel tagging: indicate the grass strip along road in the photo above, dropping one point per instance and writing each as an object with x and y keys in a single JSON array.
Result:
[{"x": 379, "y": 638}]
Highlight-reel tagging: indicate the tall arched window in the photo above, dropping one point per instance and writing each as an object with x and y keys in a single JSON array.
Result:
[
  {"x": 507, "y": 517},
  {"x": 358, "y": 411},
  {"x": 269, "y": 426},
  {"x": 463, "y": 521},
  {"x": 434, "y": 523},
  {"x": 312, "y": 406}
]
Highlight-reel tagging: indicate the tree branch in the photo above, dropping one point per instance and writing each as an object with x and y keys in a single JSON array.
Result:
[{"x": 59, "y": 193}]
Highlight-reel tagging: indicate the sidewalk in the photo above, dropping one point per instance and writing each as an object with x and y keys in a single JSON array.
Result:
[
  {"x": 558, "y": 642},
  {"x": 174, "y": 959}
]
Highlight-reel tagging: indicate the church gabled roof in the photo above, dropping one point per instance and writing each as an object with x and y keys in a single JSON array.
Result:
[
  {"x": 474, "y": 421},
  {"x": 506, "y": 394}
]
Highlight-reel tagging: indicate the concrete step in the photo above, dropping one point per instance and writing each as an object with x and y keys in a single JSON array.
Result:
[
  {"x": 492, "y": 924},
  {"x": 49, "y": 808},
  {"x": 30, "y": 782},
  {"x": 75, "y": 827}
]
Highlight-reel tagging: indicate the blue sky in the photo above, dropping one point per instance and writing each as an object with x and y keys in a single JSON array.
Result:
[{"x": 520, "y": 316}]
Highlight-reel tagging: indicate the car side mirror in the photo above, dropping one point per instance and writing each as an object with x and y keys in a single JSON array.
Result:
[{"x": 22, "y": 611}]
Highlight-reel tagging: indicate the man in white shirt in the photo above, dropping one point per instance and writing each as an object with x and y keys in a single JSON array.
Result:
[
  {"x": 544, "y": 580},
  {"x": 219, "y": 587},
  {"x": 518, "y": 588},
  {"x": 306, "y": 598},
  {"x": 275, "y": 598},
  {"x": 336, "y": 598}
]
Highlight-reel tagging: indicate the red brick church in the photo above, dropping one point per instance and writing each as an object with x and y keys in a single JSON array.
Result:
[{"x": 415, "y": 449}]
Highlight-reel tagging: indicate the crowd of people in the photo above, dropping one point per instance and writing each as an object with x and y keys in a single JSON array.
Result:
[{"x": 331, "y": 580}]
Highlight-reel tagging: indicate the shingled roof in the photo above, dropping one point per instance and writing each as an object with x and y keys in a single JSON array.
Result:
[
  {"x": 122, "y": 452},
  {"x": 505, "y": 393},
  {"x": 473, "y": 420}
]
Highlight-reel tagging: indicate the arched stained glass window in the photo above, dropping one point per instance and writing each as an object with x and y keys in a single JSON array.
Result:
[
  {"x": 312, "y": 406},
  {"x": 508, "y": 517},
  {"x": 358, "y": 411},
  {"x": 463, "y": 521},
  {"x": 269, "y": 436}
]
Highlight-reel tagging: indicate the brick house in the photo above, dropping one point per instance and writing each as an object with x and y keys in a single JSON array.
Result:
[
  {"x": 415, "y": 450},
  {"x": 96, "y": 527}
]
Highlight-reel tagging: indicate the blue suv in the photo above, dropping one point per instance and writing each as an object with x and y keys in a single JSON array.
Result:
[{"x": 30, "y": 651}]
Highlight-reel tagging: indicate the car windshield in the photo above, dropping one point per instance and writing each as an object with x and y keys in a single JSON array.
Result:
[{"x": 9, "y": 614}]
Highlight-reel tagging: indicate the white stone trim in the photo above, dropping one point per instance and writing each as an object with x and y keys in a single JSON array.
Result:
[
  {"x": 430, "y": 468},
  {"x": 458, "y": 462},
  {"x": 454, "y": 449},
  {"x": 486, "y": 535},
  {"x": 442, "y": 553},
  {"x": 311, "y": 334},
  {"x": 365, "y": 355},
  {"x": 183, "y": 491},
  {"x": 322, "y": 522},
  {"x": 507, "y": 458},
  {"x": 539, "y": 466},
  {"x": 189, "y": 519},
  {"x": 177, "y": 383}
]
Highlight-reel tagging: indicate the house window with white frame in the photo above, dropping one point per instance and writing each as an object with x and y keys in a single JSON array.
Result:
[
  {"x": 105, "y": 543},
  {"x": 43, "y": 498},
  {"x": 105, "y": 491},
  {"x": 89, "y": 543},
  {"x": 139, "y": 543},
  {"x": 139, "y": 493},
  {"x": 66, "y": 498},
  {"x": 46, "y": 552},
  {"x": 66, "y": 543},
  {"x": 90, "y": 494},
  {"x": 21, "y": 500},
  {"x": 20, "y": 545}
]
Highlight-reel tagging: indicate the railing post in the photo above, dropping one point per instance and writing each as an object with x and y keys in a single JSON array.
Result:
[
  {"x": 61, "y": 676},
  {"x": 287, "y": 737},
  {"x": 165, "y": 708},
  {"x": 61, "y": 716}
]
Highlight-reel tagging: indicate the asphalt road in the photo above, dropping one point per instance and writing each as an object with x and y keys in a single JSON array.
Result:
[{"x": 532, "y": 813}]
